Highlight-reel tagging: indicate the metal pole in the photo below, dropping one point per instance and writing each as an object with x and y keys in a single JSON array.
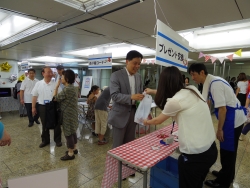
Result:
[
  {"x": 119, "y": 174},
  {"x": 228, "y": 72},
  {"x": 145, "y": 176},
  {"x": 223, "y": 71},
  {"x": 214, "y": 68}
]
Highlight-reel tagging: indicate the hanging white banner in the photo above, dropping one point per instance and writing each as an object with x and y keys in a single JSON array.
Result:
[
  {"x": 100, "y": 61},
  {"x": 171, "y": 48}
]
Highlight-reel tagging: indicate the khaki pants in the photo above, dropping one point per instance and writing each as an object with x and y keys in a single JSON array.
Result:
[{"x": 101, "y": 118}]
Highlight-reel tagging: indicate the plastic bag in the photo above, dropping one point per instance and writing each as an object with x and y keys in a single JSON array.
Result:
[
  {"x": 143, "y": 109},
  {"x": 143, "y": 129}
]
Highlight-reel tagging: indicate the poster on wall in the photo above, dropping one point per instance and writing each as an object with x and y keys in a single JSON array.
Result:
[
  {"x": 171, "y": 48},
  {"x": 24, "y": 65},
  {"x": 100, "y": 61},
  {"x": 86, "y": 85}
]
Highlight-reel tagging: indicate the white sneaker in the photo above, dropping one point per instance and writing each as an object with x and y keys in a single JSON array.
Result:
[{"x": 242, "y": 136}]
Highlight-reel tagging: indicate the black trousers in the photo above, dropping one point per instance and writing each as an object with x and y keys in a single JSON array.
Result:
[
  {"x": 193, "y": 168},
  {"x": 45, "y": 132},
  {"x": 29, "y": 112},
  {"x": 242, "y": 98},
  {"x": 228, "y": 161}
]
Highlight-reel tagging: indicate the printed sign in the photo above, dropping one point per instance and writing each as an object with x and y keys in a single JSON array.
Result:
[
  {"x": 24, "y": 65},
  {"x": 100, "y": 61},
  {"x": 86, "y": 85},
  {"x": 171, "y": 48}
]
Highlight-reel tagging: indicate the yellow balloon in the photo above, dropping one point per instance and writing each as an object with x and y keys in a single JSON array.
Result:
[
  {"x": 22, "y": 77},
  {"x": 5, "y": 67}
]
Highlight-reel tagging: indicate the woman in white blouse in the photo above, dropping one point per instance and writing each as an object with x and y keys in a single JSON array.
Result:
[
  {"x": 241, "y": 90},
  {"x": 196, "y": 132}
]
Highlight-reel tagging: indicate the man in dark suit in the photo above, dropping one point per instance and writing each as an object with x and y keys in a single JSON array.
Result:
[{"x": 126, "y": 88}]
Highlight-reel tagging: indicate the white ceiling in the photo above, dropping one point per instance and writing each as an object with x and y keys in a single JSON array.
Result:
[{"x": 133, "y": 24}]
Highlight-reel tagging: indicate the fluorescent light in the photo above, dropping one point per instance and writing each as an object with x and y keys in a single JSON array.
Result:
[
  {"x": 243, "y": 55},
  {"x": 118, "y": 50},
  {"x": 51, "y": 59},
  {"x": 86, "y": 64},
  {"x": 14, "y": 27},
  {"x": 86, "y": 5},
  {"x": 221, "y": 36},
  {"x": 239, "y": 63}
]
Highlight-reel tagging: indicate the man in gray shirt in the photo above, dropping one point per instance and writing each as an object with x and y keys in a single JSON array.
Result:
[{"x": 101, "y": 115}]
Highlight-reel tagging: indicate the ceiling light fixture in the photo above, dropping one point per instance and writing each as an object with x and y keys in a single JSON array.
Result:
[
  {"x": 220, "y": 36},
  {"x": 51, "y": 59},
  {"x": 86, "y": 5},
  {"x": 118, "y": 50},
  {"x": 14, "y": 27}
]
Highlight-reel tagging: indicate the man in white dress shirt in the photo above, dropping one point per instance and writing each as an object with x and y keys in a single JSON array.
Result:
[
  {"x": 26, "y": 97},
  {"x": 43, "y": 93}
]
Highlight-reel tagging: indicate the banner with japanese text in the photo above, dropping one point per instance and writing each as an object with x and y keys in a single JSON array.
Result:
[
  {"x": 100, "y": 61},
  {"x": 171, "y": 48}
]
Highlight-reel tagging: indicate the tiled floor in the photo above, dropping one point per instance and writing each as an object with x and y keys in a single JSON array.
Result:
[{"x": 24, "y": 157}]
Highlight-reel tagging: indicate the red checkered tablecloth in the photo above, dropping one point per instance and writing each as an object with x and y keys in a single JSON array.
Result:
[{"x": 139, "y": 154}]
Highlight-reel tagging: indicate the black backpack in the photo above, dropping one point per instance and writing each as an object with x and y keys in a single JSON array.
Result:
[{"x": 15, "y": 92}]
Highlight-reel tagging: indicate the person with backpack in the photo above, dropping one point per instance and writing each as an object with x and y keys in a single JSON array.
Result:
[{"x": 22, "y": 108}]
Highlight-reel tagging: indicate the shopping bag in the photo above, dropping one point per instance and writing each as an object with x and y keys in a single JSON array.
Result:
[{"x": 143, "y": 109}]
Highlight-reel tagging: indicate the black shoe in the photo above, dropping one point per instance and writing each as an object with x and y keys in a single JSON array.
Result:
[
  {"x": 132, "y": 175},
  {"x": 21, "y": 115},
  {"x": 93, "y": 133},
  {"x": 67, "y": 157},
  {"x": 215, "y": 173},
  {"x": 75, "y": 152},
  {"x": 37, "y": 122},
  {"x": 213, "y": 183},
  {"x": 43, "y": 144},
  {"x": 58, "y": 144},
  {"x": 30, "y": 124}
]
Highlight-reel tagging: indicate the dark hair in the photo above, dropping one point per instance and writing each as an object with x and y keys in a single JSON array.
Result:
[
  {"x": 133, "y": 54},
  {"x": 33, "y": 70},
  {"x": 183, "y": 78},
  {"x": 170, "y": 83},
  {"x": 233, "y": 79},
  {"x": 69, "y": 76},
  {"x": 197, "y": 67},
  {"x": 242, "y": 77},
  {"x": 93, "y": 88}
]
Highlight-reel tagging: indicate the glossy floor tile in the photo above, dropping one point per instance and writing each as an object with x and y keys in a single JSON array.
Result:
[{"x": 24, "y": 157}]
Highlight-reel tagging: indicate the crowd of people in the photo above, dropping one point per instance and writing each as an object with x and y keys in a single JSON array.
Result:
[{"x": 174, "y": 96}]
